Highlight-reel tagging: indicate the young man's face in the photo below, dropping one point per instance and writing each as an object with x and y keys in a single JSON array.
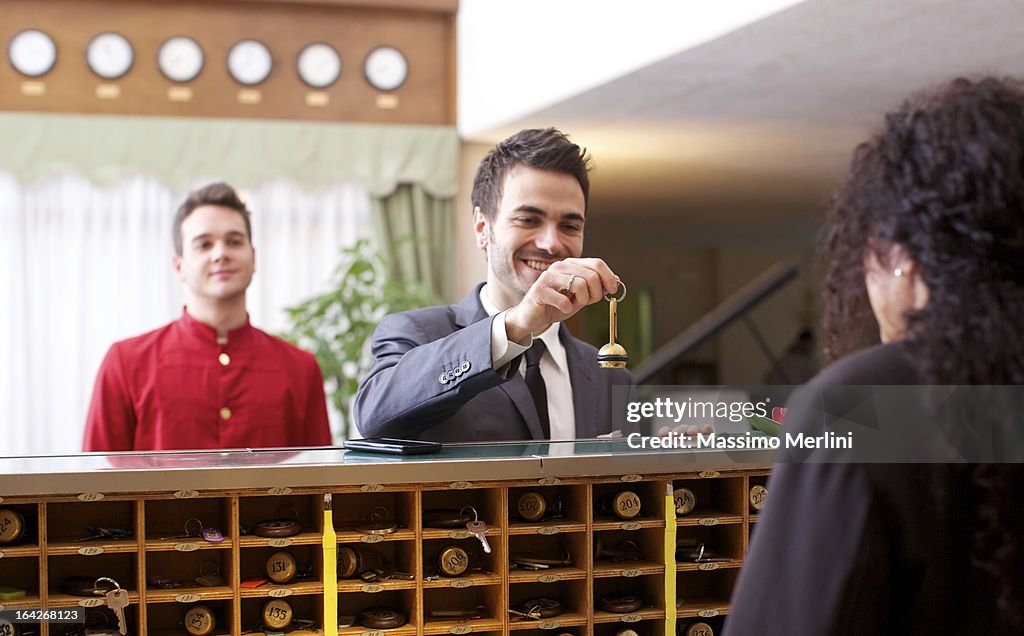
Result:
[
  {"x": 539, "y": 221},
  {"x": 217, "y": 260}
]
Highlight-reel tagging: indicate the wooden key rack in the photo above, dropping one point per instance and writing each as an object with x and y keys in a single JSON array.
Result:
[{"x": 152, "y": 496}]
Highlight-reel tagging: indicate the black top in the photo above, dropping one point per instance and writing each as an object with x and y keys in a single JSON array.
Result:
[{"x": 863, "y": 549}]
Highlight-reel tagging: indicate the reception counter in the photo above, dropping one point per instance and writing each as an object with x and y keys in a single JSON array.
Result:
[{"x": 581, "y": 538}]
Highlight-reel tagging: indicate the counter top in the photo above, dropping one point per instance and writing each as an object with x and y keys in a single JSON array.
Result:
[{"x": 318, "y": 467}]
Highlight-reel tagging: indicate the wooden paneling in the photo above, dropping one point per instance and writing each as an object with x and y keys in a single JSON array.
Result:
[{"x": 425, "y": 36}]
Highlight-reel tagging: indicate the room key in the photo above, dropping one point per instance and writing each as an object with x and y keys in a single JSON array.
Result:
[
  {"x": 613, "y": 355},
  {"x": 117, "y": 600},
  {"x": 479, "y": 529}
]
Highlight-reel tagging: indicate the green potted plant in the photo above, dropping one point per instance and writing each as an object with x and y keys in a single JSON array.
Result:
[{"x": 336, "y": 326}]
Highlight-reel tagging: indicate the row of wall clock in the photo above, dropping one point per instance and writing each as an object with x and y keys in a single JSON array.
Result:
[{"x": 110, "y": 56}]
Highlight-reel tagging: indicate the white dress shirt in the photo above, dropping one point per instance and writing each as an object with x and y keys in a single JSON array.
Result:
[{"x": 554, "y": 368}]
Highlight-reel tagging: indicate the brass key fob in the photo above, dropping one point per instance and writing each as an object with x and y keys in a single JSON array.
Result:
[{"x": 613, "y": 355}]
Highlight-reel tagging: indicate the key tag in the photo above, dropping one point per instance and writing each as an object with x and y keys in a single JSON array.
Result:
[
  {"x": 531, "y": 506},
  {"x": 200, "y": 620},
  {"x": 12, "y": 526},
  {"x": 380, "y": 522},
  {"x": 211, "y": 579},
  {"x": 613, "y": 355},
  {"x": 212, "y": 535},
  {"x": 348, "y": 562},
  {"x": 626, "y": 504},
  {"x": 283, "y": 526},
  {"x": 453, "y": 561},
  {"x": 277, "y": 614},
  {"x": 208, "y": 534},
  {"x": 281, "y": 567}
]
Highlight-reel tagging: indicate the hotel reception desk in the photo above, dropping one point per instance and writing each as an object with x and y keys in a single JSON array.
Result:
[{"x": 586, "y": 537}]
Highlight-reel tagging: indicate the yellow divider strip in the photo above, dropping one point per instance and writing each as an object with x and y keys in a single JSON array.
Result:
[
  {"x": 670, "y": 563},
  {"x": 330, "y": 546}
]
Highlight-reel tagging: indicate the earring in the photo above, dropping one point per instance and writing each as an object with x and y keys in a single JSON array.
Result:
[{"x": 897, "y": 272}]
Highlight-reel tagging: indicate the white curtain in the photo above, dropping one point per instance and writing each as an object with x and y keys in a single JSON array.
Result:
[{"x": 85, "y": 265}]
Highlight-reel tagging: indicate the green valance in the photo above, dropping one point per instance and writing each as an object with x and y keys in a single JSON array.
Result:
[{"x": 180, "y": 150}]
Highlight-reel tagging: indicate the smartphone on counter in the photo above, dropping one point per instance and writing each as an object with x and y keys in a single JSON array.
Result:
[{"x": 392, "y": 446}]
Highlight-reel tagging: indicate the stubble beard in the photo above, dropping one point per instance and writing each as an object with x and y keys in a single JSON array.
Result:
[{"x": 502, "y": 265}]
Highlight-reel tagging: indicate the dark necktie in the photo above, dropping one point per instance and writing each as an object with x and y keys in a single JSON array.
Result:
[{"x": 535, "y": 382}]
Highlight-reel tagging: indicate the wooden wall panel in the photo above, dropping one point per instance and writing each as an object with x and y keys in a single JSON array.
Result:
[{"x": 425, "y": 37}]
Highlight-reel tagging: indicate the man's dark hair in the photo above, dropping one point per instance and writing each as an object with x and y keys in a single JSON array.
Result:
[
  {"x": 543, "y": 149},
  {"x": 218, "y": 193}
]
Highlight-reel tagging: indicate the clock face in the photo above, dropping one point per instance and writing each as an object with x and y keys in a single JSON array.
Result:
[
  {"x": 249, "y": 62},
  {"x": 32, "y": 53},
  {"x": 319, "y": 65},
  {"x": 109, "y": 55},
  {"x": 180, "y": 59},
  {"x": 385, "y": 68}
]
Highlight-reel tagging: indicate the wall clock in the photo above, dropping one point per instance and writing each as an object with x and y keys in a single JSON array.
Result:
[
  {"x": 319, "y": 65},
  {"x": 109, "y": 55},
  {"x": 249, "y": 62},
  {"x": 180, "y": 59},
  {"x": 385, "y": 68},
  {"x": 32, "y": 52}
]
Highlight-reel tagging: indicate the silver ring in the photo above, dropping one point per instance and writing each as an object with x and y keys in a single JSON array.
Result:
[{"x": 568, "y": 285}]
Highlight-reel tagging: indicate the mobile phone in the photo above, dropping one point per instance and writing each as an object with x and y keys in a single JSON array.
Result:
[{"x": 392, "y": 446}]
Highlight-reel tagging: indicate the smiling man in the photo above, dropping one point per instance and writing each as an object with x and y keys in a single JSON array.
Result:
[
  {"x": 500, "y": 365},
  {"x": 208, "y": 379}
]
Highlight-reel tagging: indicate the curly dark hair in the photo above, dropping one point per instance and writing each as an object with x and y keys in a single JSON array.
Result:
[
  {"x": 540, "y": 148},
  {"x": 944, "y": 180}
]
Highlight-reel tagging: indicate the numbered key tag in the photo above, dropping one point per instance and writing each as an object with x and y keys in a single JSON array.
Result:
[
  {"x": 626, "y": 504},
  {"x": 532, "y": 506},
  {"x": 281, "y": 567},
  {"x": 277, "y": 614},
  {"x": 380, "y": 522},
  {"x": 200, "y": 620},
  {"x": 613, "y": 355},
  {"x": 212, "y": 535},
  {"x": 453, "y": 561}
]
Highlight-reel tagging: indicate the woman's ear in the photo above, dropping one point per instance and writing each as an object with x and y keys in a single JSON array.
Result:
[{"x": 903, "y": 266}]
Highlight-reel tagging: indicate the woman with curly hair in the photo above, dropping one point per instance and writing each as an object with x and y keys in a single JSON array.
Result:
[{"x": 925, "y": 241}]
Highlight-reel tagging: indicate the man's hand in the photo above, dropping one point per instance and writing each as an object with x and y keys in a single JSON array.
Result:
[
  {"x": 686, "y": 430},
  {"x": 562, "y": 290}
]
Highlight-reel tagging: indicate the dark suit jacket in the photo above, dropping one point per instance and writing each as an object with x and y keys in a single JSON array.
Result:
[
  {"x": 432, "y": 379},
  {"x": 848, "y": 548}
]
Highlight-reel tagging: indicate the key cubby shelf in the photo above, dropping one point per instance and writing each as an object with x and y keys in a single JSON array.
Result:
[{"x": 577, "y": 524}]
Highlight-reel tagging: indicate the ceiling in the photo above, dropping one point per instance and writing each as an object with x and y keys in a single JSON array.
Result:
[{"x": 748, "y": 132}]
